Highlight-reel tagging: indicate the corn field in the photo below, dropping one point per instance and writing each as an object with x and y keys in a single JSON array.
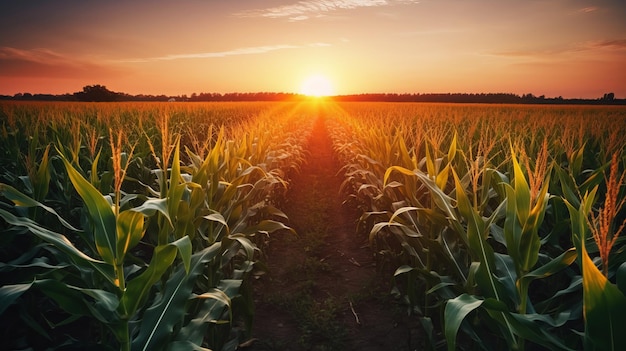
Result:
[{"x": 140, "y": 225}]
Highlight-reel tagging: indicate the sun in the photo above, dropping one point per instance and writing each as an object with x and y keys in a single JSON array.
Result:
[{"x": 317, "y": 86}]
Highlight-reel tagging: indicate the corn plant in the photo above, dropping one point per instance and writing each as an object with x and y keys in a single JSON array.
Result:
[
  {"x": 604, "y": 302},
  {"x": 470, "y": 229},
  {"x": 150, "y": 259}
]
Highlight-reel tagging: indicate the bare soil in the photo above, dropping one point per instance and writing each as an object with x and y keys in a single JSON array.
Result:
[{"x": 322, "y": 290}]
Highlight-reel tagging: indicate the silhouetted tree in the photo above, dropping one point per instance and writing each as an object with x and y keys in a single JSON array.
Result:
[
  {"x": 608, "y": 97},
  {"x": 96, "y": 93}
]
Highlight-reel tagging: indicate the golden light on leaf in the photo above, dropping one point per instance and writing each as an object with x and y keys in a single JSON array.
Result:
[{"x": 317, "y": 86}]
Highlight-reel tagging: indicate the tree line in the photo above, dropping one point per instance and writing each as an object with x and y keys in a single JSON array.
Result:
[{"x": 100, "y": 93}]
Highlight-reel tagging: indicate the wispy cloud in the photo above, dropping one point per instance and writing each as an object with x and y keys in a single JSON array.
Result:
[
  {"x": 253, "y": 50},
  {"x": 43, "y": 62},
  {"x": 616, "y": 44},
  {"x": 433, "y": 31},
  {"x": 303, "y": 10},
  {"x": 588, "y": 9},
  {"x": 34, "y": 55},
  {"x": 589, "y": 46}
]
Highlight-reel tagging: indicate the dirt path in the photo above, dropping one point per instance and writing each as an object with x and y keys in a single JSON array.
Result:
[{"x": 323, "y": 291}]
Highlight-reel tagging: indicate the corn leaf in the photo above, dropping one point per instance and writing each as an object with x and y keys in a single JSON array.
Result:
[
  {"x": 266, "y": 225},
  {"x": 522, "y": 191},
  {"x": 159, "y": 319},
  {"x": 452, "y": 149},
  {"x": 100, "y": 213},
  {"x": 163, "y": 257},
  {"x": 455, "y": 312},
  {"x": 604, "y": 308},
  {"x": 62, "y": 243},
  {"x": 151, "y": 206},
  {"x": 557, "y": 264},
  {"x": 604, "y": 305},
  {"x": 41, "y": 182},
  {"x": 477, "y": 232},
  {"x": 130, "y": 230},
  {"x": 212, "y": 310},
  {"x": 10, "y": 293},
  {"x": 22, "y": 200}
]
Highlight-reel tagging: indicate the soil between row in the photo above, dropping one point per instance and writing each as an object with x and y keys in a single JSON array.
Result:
[{"x": 322, "y": 290}]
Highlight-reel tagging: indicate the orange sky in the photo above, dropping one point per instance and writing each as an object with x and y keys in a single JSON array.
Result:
[{"x": 572, "y": 48}]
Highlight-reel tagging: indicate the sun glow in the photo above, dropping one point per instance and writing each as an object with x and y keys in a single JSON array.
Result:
[{"x": 317, "y": 86}]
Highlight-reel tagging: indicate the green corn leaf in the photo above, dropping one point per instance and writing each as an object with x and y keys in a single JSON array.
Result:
[
  {"x": 578, "y": 217},
  {"x": 524, "y": 326},
  {"x": 522, "y": 191},
  {"x": 151, "y": 206},
  {"x": 442, "y": 178},
  {"x": 568, "y": 187},
  {"x": 70, "y": 300},
  {"x": 455, "y": 312},
  {"x": 452, "y": 149},
  {"x": 407, "y": 161},
  {"x": 94, "y": 170},
  {"x": 100, "y": 213},
  {"x": 130, "y": 230},
  {"x": 159, "y": 319},
  {"x": 107, "y": 300},
  {"x": 266, "y": 225},
  {"x": 22, "y": 200},
  {"x": 76, "y": 301},
  {"x": 557, "y": 264},
  {"x": 61, "y": 243},
  {"x": 398, "y": 169},
  {"x": 443, "y": 202},
  {"x": 533, "y": 327},
  {"x": 576, "y": 159},
  {"x": 247, "y": 245},
  {"x": 430, "y": 161},
  {"x": 212, "y": 310},
  {"x": 477, "y": 232},
  {"x": 376, "y": 228},
  {"x": 403, "y": 270},
  {"x": 507, "y": 276},
  {"x": 401, "y": 211},
  {"x": 220, "y": 297},
  {"x": 163, "y": 257},
  {"x": 10, "y": 293},
  {"x": 604, "y": 308},
  {"x": 531, "y": 242},
  {"x": 512, "y": 229},
  {"x": 217, "y": 217},
  {"x": 35, "y": 264},
  {"x": 41, "y": 182},
  {"x": 604, "y": 305},
  {"x": 595, "y": 178}
]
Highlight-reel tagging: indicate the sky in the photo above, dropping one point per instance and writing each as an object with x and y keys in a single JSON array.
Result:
[{"x": 568, "y": 48}]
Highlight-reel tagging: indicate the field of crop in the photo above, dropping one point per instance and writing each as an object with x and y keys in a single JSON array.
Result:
[{"x": 139, "y": 226}]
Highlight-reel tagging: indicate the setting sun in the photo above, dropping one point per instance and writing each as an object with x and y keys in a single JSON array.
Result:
[{"x": 317, "y": 85}]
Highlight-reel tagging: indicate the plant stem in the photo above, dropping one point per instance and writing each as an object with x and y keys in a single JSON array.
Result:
[{"x": 125, "y": 336}]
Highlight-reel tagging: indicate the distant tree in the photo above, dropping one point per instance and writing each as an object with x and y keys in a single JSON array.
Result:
[
  {"x": 608, "y": 97},
  {"x": 96, "y": 93}
]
